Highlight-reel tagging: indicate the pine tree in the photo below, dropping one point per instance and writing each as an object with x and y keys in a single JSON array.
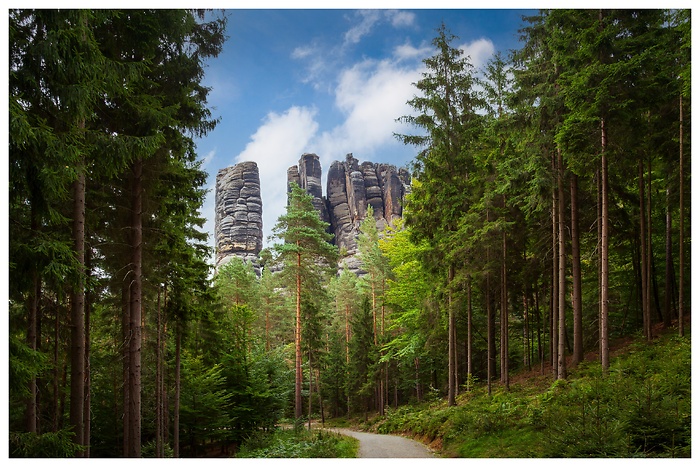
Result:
[{"x": 307, "y": 257}]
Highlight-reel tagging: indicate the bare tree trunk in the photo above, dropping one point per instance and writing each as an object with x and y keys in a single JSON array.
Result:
[
  {"x": 491, "y": 341},
  {"x": 77, "y": 389},
  {"x": 526, "y": 333},
  {"x": 347, "y": 347},
  {"x": 604, "y": 244},
  {"x": 311, "y": 372},
  {"x": 176, "y": 402},
  {"x": 668, "y": 297},
  {"x": 577, "y": 303},
  {"x": 56, "y": 411},
  {"x": 32, "y": 335},
  {"x": 561, "y": 356},
  {"x": 135, "y": 312},
  {"x": 470, "y": 363},
  {"x": 450, "y": 340},
  {"x": 554, "y": 310},
  {"x": 297, "y": 345},
  {"x": 126, "y": 344},
  {"x": 77, "y": 321},
  {"x": 681, "y": 233},
  {"x": 88, "y": 308},
  {"x": 159, "y": 388},
  {"x": 540, "y": 331},
  {"x": 504, "y": 315},
  {"x": 643, "y": 254}
]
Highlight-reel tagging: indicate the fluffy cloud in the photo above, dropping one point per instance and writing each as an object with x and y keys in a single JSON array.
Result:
[
  {"x": 275, "y": 146},
  {"x": 478, "y": 51},
  {"x": 372, "y": 95}
]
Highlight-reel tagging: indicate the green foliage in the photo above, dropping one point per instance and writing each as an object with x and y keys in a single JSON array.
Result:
[
  {"x": 641, "y": 409},
  {"x": 148, "y": 450},
  {"x": 298, "y": 444},
  {"x": 204, "y": 413},
  {"x": 46, "y": 445}
]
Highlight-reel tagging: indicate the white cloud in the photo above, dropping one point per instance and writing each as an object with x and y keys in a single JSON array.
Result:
[
  {"x": 478, "y": 51},
  {"x": 368, "y": 18},
  {"x": 303, "y": 51},
  {"x": 372, "y": 94},
  {"x": 275, "y": 146},
  {"x": 400, "y": 18},
  {"x": 408, "y": 52}
]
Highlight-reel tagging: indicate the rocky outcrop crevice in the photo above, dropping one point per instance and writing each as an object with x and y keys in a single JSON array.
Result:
[{"x": 238, "y": 224}]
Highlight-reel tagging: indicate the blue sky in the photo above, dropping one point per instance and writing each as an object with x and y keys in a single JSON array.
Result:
[{"x": 330, "y": 82}]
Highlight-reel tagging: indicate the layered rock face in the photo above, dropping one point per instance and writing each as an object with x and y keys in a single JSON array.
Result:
[
  {"x": 350, "y": 188},
  {"x": 308, "y": 176},
  {"x": 238, "y": 225}
]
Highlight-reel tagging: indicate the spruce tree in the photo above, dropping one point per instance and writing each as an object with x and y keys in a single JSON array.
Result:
[{"x": 448, "y": 112}]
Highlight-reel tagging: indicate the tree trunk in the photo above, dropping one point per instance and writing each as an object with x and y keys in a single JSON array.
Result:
[
  {"x": 450, "y": 340},
  {"x": 311, "y": 372},
  {"x": 77, "y": 389},
  {"x": 505, "y": 379},
  {"x": 604, "y": 243},
  {"x": 681, "y": 232},
  {"x": 88, "y": 308},
  {"x": 668, "y": 297},
  {"x": 577, "y": 303},
  {"x": 561, "y": 356},
  {"x": 135, "y": 312},
  {"x": 126, "y": 339},
  {"x": 32, "y": 335},
  {"x": 643, "y": 255},
  {"x": 526, "y": 334},
  {"x": 159, "y": 388},
  {"x": 176, "y": 402},
  {"x": 470, "y": 363},
  {"x": 554, "y": 310},
  {"x": 297, "y": 346},
  {"x": 490, "y": 331}
]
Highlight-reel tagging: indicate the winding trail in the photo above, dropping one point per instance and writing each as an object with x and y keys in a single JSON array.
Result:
[{"x": 374, "y": 445}]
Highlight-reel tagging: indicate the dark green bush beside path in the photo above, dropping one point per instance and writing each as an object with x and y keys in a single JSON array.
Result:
[{"x": 299, "y": 443}]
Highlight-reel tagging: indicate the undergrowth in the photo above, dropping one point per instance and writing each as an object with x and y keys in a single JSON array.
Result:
[
  {"x": 642, "y": 408},
  {"x": 298, "y": 443}
]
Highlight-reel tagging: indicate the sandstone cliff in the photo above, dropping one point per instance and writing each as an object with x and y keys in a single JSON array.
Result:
[
  {"x": 350, "y": 188},
  {"x": 238, "y": 224}
]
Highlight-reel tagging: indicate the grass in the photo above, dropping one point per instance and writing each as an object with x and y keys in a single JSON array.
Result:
[{"x": 299, "y": 443}]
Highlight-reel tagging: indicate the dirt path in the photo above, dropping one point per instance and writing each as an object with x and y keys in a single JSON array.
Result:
[{"x": 373, "y": 445}]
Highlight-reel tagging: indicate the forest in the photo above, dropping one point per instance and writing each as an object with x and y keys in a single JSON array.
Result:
[{"x": 548, "y": 220}]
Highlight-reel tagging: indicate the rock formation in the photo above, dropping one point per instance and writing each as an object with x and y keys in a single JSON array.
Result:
[
  {"x": 308, "y": 176},
  {"x": 350, "y": 188},
  {"x": 238, "y": 225}
]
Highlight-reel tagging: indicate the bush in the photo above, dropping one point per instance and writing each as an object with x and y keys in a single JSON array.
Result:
[
  {"x": 298, "y": 444},
  {"x": 52, "y": 445}
]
